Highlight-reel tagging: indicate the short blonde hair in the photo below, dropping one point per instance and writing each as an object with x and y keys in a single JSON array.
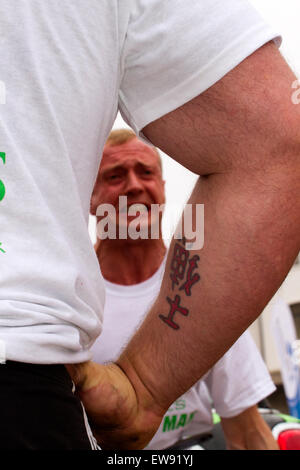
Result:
[{"x": 121, "y": 136}]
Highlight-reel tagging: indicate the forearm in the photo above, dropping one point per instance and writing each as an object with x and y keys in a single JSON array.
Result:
[
  {"x": 251, "y": 239},
  {"x": 248, "y": 431},
  {"x": 242, "y": 135}
]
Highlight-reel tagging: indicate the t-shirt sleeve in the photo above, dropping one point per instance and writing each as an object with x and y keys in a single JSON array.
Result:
[
  {"x": 176, "y": 49},
  {"x": 240, "y": 379}
]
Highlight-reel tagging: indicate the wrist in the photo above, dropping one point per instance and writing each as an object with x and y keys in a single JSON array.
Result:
[{"x": 149, "y": 403}]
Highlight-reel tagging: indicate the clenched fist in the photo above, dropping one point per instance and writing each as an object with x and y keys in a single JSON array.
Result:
[{"x": 122, "y": 415}]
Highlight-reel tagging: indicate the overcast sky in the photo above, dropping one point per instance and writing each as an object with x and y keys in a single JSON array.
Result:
[{"x": 285, "y": 16}]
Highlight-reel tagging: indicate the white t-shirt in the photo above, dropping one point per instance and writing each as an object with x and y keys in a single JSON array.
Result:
[
  {"x": 67, "y": 66},
  {"x": 237, "y": 381}
]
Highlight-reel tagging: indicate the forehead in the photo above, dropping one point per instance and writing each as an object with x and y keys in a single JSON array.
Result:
[{"x": 134, "y": 151}]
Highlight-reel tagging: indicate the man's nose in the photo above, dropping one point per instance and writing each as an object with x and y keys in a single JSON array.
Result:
[{"x": 133, "y": 184}]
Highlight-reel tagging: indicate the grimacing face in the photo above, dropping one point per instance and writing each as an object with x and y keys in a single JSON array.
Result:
[{"x": 132, "y": 170}]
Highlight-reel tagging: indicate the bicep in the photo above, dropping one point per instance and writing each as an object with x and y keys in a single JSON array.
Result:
[{"x": 249, "y": 112}]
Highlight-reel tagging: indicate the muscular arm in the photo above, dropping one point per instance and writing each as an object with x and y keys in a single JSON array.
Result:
[
  {"x": 242, "y": 136},
  {"x": 248, "y": 431}
]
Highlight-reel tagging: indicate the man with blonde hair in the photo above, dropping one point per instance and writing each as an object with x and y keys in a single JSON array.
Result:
[
  {"x": 121, "y": 136},
  {"x": 207, "y": 85}
]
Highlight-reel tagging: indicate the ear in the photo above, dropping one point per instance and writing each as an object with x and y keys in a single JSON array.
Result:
[
  {"x": 94, "y": 201},
  {"x": 163, "y": 185},
  {"x": 92, "y": 208}
]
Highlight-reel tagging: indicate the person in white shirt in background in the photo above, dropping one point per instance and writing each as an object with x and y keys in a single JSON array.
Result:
[
  {"x": 133, "y": 270},
  {"x": 205, "y": 83}
]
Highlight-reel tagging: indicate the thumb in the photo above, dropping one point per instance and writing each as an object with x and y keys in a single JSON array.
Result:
[{"x": 83, "y": 374}]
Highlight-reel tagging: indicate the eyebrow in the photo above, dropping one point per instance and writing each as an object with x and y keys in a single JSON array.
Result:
[
  {"x": 111, "y": 168},
  {"x": 120, "y": 166}
]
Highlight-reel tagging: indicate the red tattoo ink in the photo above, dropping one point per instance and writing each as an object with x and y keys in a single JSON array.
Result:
[
  {"x": 178, "y": 273},
  {"x": 174, "y": 307},
  {"x": 178, "y": 264},
  {"x": 191, "y": 279}
]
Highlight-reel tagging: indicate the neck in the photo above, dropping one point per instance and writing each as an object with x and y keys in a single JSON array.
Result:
[{"x": 129, "y": 262}]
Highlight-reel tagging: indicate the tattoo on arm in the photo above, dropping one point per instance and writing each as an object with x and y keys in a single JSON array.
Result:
[
  {"x": 174, "y": 307},
  {"x": 182, "y": 269}
]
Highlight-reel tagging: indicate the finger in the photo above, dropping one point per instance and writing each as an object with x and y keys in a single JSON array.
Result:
[{"x": 81, "y": 374}]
